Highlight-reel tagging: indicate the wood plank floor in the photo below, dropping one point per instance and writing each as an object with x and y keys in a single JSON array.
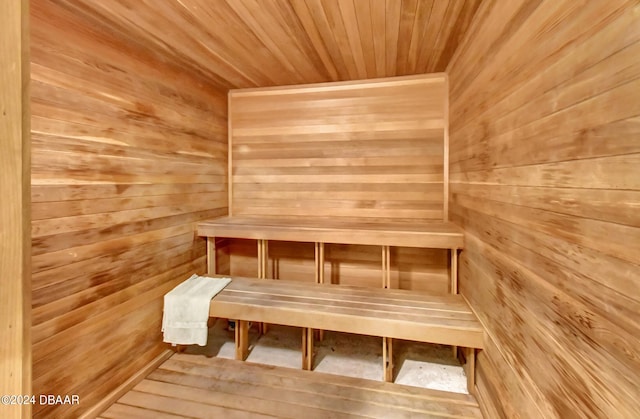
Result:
[{"x": 199, "y": 387}]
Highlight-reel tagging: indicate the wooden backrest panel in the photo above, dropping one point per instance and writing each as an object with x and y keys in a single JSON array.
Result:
[{"x": 370, "y": 149}]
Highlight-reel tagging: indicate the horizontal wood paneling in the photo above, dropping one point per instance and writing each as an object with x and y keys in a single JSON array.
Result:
[
  {"x": 129, "y": 152},
  {"x": 250, "y": 43},
  {"x": 372, "y": 149},
  {"x": 544, "y": 157}
]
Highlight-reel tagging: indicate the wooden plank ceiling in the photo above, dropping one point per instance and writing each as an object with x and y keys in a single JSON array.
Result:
[{"x": 249, "y": 43}]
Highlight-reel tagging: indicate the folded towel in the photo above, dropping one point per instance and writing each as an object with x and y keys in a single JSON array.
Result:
[{"x": 186, "y": 310}]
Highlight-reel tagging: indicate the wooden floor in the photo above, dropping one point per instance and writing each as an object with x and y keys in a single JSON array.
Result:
[{"x": 199, "y": 387}]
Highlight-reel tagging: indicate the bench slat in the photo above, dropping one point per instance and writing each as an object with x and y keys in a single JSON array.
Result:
[
  {"x": 384, "y": 296},
  {"x": 440, "y": 235},
  {"x": 322, "y": 309},
  {"x": 445, "y": 320}
]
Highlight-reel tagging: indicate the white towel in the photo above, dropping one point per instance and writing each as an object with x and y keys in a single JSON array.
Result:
[{"x": 186, "y": 310}]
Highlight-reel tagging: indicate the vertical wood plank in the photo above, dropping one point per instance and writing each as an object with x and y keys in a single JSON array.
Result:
[
  {"x": 387, "y": 359},
  {"x": 211, "y": 256},
  {"x": 387, "y": 343},
  {"x": 307, "y": 348},
  {"x": 392, "y": 31},
  {"x": 310, "y": 24},
  {"x": 321, "y": 263},
  {"x": 405, "y": 30},
  {"x": 320, "y": 258},
  {"x": 470, "y": 355},
  {"x": 378, "y": 21},
  {"x": 354, "y": 35},
  {"x": 242, "y": 339},
  {"x": 454, "y": 271},
  {"x": 15, "y": 234},
  {"x": 445, "y": 208},
  {"x": 229, "y": 154},
  {"x": 263, "y": 262},
  {"x": 386, "y": 267},
  {"x": 337, "y": 32}
]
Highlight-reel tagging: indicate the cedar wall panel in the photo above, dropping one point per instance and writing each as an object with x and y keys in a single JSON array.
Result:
[
  {"x": 370, "y": 150},
  {"x": 367, "y": 150},
  {"x": 545, "y": 179},
  {"x": 129, "y": 152}
]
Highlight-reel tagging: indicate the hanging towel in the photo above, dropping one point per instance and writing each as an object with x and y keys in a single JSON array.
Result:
[{"x": 186, "y": 310}]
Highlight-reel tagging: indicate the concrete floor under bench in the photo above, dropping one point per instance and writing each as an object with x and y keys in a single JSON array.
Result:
[
  {"x": 190, "y": 384},
  {"x": 417, "y": 364}
]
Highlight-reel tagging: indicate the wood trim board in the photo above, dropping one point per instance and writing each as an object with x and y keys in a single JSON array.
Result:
[
  {"x": 429, "y": 235},
  {"x": 15, "y": 218}
]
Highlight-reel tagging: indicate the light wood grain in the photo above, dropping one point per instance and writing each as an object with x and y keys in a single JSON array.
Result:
[
  {"x": 129, "y": 152},
  {"x": 357, "y": 135},
  {"x": 281, "y": 43},
  {"x": 186, "y": 385},
  {"x": 389, "y": 313},
  {"x": 414, "y": 268},
  {"x": 543, "y": 161},
  {"x": 431, "y": 235},
  {"x": 15, "y": 254},
  {"x": 126, "y": 386}
]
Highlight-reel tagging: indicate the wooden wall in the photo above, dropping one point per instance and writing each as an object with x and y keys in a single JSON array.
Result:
[
  {"x": 129, "y": 151},
  {"x": 15, "y": 237},
  {"x": 366, "y": 150},
  {"x": 545, "y": 179}
]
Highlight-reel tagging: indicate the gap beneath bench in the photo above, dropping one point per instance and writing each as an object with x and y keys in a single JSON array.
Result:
[{"x": 417, "y": 364}]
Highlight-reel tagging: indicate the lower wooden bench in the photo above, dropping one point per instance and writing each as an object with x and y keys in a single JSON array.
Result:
[
  {"x": 388, "y": 313},
  {"x": 198, "y": 387}
]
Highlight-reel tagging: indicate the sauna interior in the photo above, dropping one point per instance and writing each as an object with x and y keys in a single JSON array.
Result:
[{"x": 127, "y": 125}]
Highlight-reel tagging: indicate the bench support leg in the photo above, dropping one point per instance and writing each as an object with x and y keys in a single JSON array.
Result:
[
  {"x": 387, "y": 359},
  {"x": 307, "y": 349},
  {"x": 386, "y": 267},
  {"x": 242, "y": 339},
  {"x": 470, "y": 354},
  {"x": 263, "y": 263},
  {"x": 319, "y": 258},
  {"x": 387, "y": 343},
  {"x": 454, "y": 284},
  {"x": 211, "y": 255},
  {"x": 454, "y": 271}
]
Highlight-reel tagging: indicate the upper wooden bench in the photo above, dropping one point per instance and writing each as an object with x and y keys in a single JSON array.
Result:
[
  {"x": 388, "y": 313},
  {"x": 440, "y": 235}
]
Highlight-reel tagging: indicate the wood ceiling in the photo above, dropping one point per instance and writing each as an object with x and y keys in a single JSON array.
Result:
[{"x": 248, "y": 43}]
